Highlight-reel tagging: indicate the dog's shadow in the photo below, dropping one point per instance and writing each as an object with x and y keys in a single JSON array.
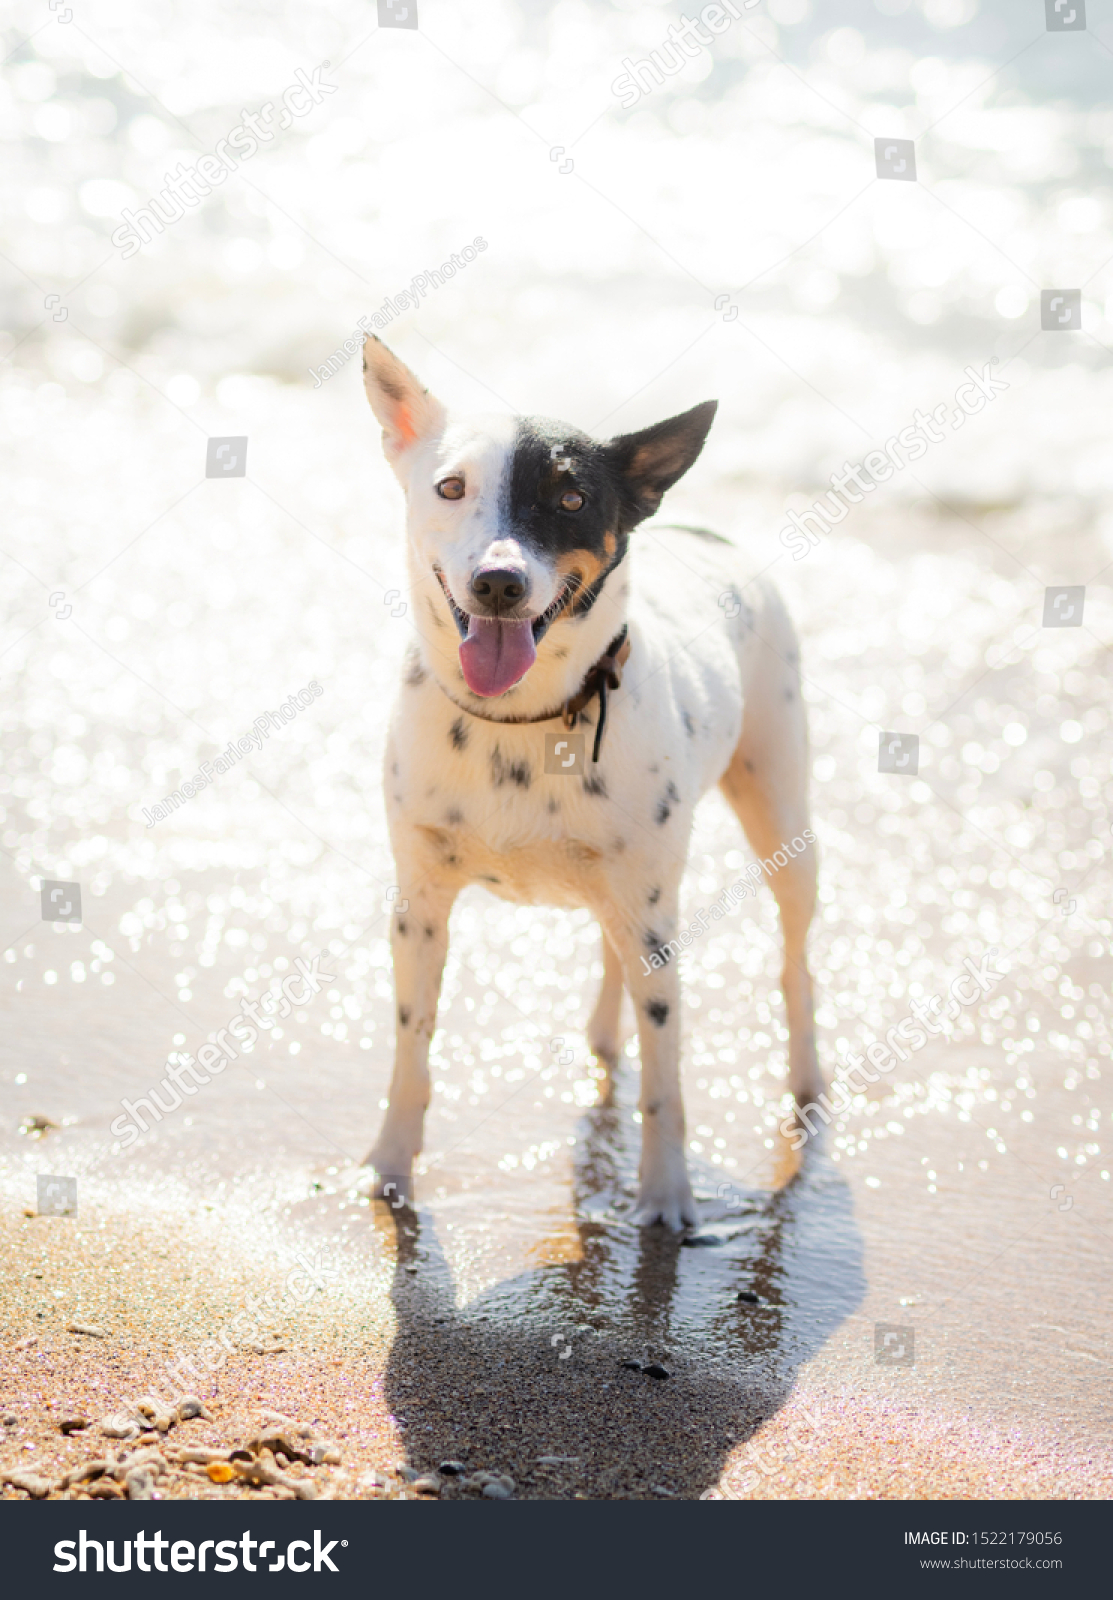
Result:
[{"x": 568, "y": 1360}]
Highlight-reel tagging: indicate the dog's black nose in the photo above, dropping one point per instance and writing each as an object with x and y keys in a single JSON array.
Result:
[{"x": 500, "y": 588}]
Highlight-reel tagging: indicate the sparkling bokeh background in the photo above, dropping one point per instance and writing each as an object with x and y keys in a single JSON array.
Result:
[{"x": 150, "y": 615}]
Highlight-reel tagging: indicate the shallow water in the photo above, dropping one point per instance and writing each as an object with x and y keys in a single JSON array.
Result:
[{"x": 968, "y": 1195}]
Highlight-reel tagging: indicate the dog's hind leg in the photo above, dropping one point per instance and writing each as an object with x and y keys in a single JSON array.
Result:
[
  {"x": 603, "y": 1038},
  {"x": 419, "y": 945},
  {"x": 766, "y": 784}
]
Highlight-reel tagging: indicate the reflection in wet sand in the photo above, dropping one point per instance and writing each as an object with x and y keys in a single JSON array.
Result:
[{"x": 552, "y": 1362}]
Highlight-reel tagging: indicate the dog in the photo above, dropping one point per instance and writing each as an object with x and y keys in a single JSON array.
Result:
[{"x": 543, "y": 606}]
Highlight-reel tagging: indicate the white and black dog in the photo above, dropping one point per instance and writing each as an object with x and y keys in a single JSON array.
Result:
[{"x": 535, "y": 617}]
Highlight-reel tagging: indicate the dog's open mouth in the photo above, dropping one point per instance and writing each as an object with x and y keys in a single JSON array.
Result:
[{"x": 496, "y": 653}]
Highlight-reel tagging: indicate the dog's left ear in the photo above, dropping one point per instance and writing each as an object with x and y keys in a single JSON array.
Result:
[
  {"x": 407, "y": 411},
  {"x": 651, "y": 461}
]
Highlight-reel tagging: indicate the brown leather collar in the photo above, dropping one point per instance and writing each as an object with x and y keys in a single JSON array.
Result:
[{"x": 605, "y": 674}]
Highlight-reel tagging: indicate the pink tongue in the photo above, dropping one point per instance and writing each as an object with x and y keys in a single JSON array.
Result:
[{"x": 496, "y": 654}]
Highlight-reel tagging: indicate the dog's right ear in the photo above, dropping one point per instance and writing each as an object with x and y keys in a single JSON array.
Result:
[{"x": 408, "y": 412}]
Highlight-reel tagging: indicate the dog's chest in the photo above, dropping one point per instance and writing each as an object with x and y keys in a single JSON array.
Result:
[{"x": 481, "y": 800}]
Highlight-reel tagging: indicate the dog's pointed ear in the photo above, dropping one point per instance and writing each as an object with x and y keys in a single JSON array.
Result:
[
  {"x": 651, "y": 461},
  {"x": 407, "y": 411}
]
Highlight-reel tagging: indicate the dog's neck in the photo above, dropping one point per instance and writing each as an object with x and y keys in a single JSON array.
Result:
[{"x": 565, "y": 656}]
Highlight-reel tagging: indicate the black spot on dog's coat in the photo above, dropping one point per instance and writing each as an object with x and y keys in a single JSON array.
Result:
[
  {"x": 458, "y": 733},
  {"x": 454, "y": 817},
  {"x": 428, "y": 931},
  {"x": 658, "y": 1012},
  {"x": 414, "y": 675},
  {"x": 403, "y": 928},
  {"x": 749, "y": 766},
  {"x": 595, "y": 784},
  {"x": 664, "y": 806},
  {"x": 689, "y": 725},
  {"x": 653, "y": 896},
  {"x": 502, "y": 771},
  {"x": 404, "y": 1016},
  {"x": 486, "y": 877},
  {"x": 554, "y": 805}
]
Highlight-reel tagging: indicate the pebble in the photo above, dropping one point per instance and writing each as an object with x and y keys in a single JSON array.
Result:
[
  {"x": 31, "y": 1484},
  {"x": 190, "y": 1406},
  {"x": 88, "y": 1328},
  {"x": 428, "y": 1483},
  {"x": 632, "y": 1366},
  {"x": 11, "y": 1420},
  {"x": 105, "y": 1489},
  {"x": 701, "y": 1241},
  {"x": 118, "y": 1428},
  {"x": 140, "y": 1483},
  {"x": 452, "y": 1469},
  {"x": 748, "y": 1297},
  {"x": 656, "y": 1370},
  {"x": 70, "y": 1425},
  {"x": 496, "y": 1490}
]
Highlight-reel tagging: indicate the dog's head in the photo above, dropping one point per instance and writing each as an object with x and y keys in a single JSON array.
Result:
[{"x": 521, "y": 520}]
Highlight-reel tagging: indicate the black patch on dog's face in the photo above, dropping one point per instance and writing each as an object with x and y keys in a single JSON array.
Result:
[
  {"x": 658, "y": 1012},
  {"x": 620, "y": 482},
  {"x": 583, "y": 545},
  {"x": 458, "y": 734}
]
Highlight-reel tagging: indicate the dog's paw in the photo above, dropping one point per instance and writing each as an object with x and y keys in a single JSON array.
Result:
[
  {"x": 397, "y": 1189},
  {"x": 385, "y": 1178},
  {"x": 670, "y": 1204}
]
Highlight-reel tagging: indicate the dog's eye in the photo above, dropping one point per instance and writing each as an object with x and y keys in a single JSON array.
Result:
[
  {"x": 572, "y": 500},
  {"x": 451, "y": 488}
]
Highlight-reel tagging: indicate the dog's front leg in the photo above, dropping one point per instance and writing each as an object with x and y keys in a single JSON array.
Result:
[
  {"x": 664, "y": 1193},
  {"x": 419, "y": 944}
]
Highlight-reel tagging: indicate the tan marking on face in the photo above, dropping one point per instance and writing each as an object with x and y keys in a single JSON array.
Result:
[
  {"x": 582, "y": 562},
  {"x": 610, "y": 543}
]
